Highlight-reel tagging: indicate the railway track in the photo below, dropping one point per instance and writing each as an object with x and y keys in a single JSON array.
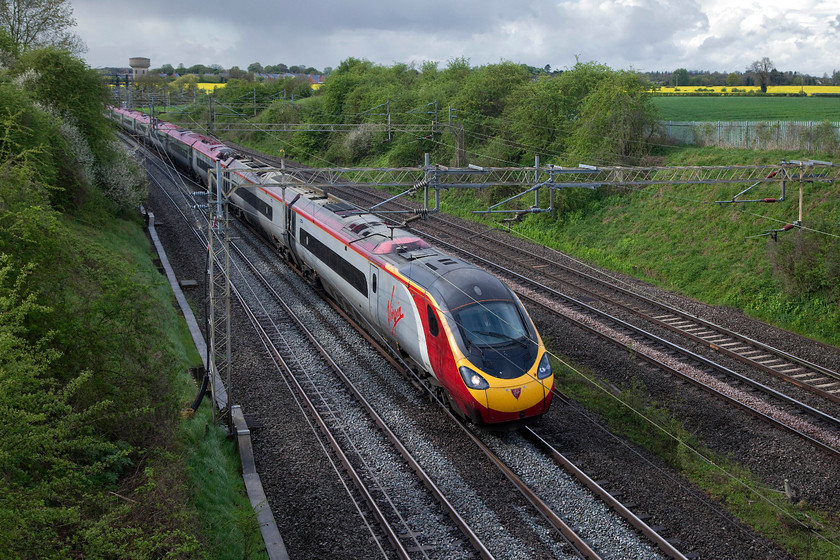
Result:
[
  {"x": 569, "y": 530},
  {"x": 345, "y": 420},
  {"x": 404, "y": 542},
  {"x": 351, "y": 428},
  {"x": 759, "y": 356}
]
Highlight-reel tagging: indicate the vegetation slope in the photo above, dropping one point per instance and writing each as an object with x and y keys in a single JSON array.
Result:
[{"x": 95, "y": 458}]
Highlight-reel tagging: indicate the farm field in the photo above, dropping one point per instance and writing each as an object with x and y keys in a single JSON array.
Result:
[{"x": 748, "y": 108}]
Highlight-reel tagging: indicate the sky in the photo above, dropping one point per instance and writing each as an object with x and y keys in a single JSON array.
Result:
[{"x": 644, "y": 35}]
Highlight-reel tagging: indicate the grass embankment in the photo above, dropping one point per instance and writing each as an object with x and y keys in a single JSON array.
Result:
[{"x": 199, "y": 462}]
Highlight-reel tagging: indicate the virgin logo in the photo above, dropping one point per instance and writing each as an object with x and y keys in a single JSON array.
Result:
[
  {"x": 516, "y": 392},
  {"x": 394, "y": 315}
]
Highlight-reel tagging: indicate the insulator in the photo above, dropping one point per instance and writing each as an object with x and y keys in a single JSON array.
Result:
[
  {"x": 199, "y": 193},
  {"x": 770, "y": 200}
]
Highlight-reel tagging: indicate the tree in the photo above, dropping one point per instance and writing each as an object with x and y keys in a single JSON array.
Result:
[
  {"x": 198, "y": 69},
  {"x": 58, "y": 80},
  {"x": 255, "y": 67},
  {"x": 680, "y": 77},
  {"x": 616, "y": 121},
  {"x": 733, "y": 79},
  {"x": 236, "y": 74},
  {"x": 167, "y": 69},
  {"x": 589, "y": 112},
  {"x": 761, "y": 69},
  {"x": 39, "y": 23}
]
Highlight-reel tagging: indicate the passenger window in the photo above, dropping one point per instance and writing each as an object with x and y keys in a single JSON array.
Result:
[{"x": 434, "y": 329}]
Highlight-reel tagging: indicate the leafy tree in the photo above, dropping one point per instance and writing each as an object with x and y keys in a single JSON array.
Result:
[
  {"x": 149, "y": 83},
  {"x": 733, "y": 79},
  {"x": 184, "y": 83},
  {"x": 8, "y": 49},
  {"x": 680, "y": 77},
  {"x": 167, "y": 69},
  {"x": 616, "y": 121},
  {"x": 255, "y": 67},
  {"x": 39, "y": 23},
  {"x": 197, "y": 69},
  {"x": 589, "y": 111},
  {"x": 349, "y": 75},
  {"x": 487, "y": 90},
  {"x": 71, "y": 89},
  {"x": 236, "y": 74},
  {"x": 540, "y": 116},
  {"x": 761, "y": 70}
]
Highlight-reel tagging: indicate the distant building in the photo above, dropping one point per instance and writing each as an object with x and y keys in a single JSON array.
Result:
[{"x": 139, "y": 66}]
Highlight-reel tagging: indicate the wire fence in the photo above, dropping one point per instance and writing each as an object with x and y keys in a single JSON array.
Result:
[{"x": 817, "y": 137}]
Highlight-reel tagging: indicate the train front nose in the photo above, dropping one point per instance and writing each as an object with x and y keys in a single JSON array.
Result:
[{"x": 516, "y": 399}]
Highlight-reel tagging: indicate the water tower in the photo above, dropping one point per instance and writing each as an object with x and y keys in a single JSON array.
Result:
[{"x": 139, "y": 66}]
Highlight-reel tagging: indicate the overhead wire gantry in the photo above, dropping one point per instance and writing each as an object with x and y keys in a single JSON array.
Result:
[{"x": 432, "y": 179}]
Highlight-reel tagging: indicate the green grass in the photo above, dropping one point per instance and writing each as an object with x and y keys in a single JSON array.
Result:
[
  {"x": 213, "y": 470},
  {"x": 748, "y": 108},
  {"x": 798, "y": 528},
  {"x": 207, "y": 470},
  {"x": 224, "y": 513}
]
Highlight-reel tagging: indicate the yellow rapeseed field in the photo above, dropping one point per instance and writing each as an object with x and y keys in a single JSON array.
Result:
[
  {"x": 209, "y": 87},
  {"x": 770, "y": 89}
]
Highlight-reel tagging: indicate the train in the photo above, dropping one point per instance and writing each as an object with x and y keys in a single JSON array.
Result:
[{"x": 461, "y": 329}]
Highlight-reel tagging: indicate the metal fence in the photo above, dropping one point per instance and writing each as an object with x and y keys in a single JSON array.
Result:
[{"x": 771, "y": 135}]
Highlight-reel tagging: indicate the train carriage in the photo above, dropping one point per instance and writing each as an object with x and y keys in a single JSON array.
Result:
[{"x": 463, "y": 330}]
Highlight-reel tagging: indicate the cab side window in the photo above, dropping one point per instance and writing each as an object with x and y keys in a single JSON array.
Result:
[{"x": 434, "y": 328}]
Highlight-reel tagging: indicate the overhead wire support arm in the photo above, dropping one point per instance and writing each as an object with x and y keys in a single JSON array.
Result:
[
  {"x": 531, "y": 210},
  {"x": 409, "y": 191},
  {"x": 767, "y": 177}
]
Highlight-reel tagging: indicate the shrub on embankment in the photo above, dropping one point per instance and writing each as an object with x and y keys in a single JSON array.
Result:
[{"x": 92, "y": 363}]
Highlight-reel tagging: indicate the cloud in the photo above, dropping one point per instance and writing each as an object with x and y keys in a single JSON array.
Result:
[{"x": 639, "y": 34}]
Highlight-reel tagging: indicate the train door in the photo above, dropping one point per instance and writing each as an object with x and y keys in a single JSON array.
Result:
[
  {"x": 373, "y": 296},
  {"x": 291, "y": 220},
  {"x": 436, "y": 343}
]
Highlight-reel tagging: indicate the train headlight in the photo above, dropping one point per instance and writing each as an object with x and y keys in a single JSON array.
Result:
[
  {"x": 473, "y": 379},
  {"x": 544, "y": 369}
]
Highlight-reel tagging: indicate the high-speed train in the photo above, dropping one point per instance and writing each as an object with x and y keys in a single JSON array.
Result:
[{"x": 463, "y": 331}]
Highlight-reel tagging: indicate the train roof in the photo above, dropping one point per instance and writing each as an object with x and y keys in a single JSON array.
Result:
[{"x": 448, "y": 278}]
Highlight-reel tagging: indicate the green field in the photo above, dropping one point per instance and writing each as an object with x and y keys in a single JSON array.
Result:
[{"x": 748, "y": 108}]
